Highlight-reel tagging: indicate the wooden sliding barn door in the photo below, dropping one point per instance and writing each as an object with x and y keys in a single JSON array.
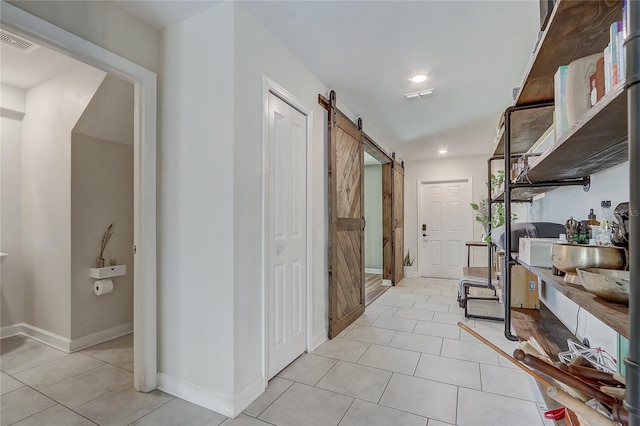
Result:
[
  {"x": 387, "y": 223},
  {"x": 397, "y": 222},
  {"x": 346, "y": 223}
]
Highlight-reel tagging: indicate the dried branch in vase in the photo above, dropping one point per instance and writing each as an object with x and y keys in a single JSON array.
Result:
[{"x": 103, "y": 244}]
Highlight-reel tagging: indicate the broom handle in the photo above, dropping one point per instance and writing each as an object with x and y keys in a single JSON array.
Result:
[{"x": 530, "y": 372}]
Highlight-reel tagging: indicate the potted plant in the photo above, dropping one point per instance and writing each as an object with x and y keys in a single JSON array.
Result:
[{"x": 408, "y": 265}]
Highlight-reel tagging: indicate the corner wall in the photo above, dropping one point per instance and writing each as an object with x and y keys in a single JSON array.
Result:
[
  {"x": 196, "y": 210},
  {"x": 101, "y": 193},
  {"x": 53, "y": 108},
  {"x": 11, "y": 268}
]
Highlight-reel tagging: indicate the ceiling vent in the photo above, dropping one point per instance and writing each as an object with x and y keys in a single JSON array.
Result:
[
  {"x": 16, "y": 42},
  {"x": 420, "y": 95}
]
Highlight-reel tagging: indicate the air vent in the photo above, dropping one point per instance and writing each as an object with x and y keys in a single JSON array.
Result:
[{"x": 16, "y": 42}]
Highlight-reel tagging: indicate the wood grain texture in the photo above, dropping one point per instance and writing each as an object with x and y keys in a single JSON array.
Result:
[
  {"x": 387, "y": 234},
  {"x": 397, "y": 211},
  {"x": 576, "y": 29},
  {"x": 596, "y": 142},
  {"x": 526, "y": 127},
  {"x": 612, "y": 314},
  {"x": 544, "y": 326},
  {"x": 346, "y": 236}
]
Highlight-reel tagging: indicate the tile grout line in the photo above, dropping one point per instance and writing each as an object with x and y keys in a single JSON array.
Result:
[{"x": 271, "y": 403}]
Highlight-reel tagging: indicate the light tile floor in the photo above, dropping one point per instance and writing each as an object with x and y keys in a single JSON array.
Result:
[{"x": 405, "y": 362}]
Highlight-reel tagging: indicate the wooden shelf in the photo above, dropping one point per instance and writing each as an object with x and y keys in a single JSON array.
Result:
[
  {"x": 522, "y": 194},
  {"x": 544, "y": 326},
  {"x": 526, "y": 127},
  {"x": 614, "y": 315},
  {"x": 576, "y": 29},
  {"x": 596, "y": 142}
]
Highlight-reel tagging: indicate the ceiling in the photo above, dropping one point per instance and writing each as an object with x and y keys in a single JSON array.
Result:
[
  {"x": 26, "y": 70},
  {"x": 474, "y": 53}
]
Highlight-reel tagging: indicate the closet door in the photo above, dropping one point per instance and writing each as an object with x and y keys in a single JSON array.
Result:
[
  {"x": 397, "y": 222},
  {"x": 346, "y": 223}
]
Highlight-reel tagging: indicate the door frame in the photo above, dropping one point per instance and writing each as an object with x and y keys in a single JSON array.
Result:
[
  {"x": 270, "y": 86},
  {"x": 144, "y": 176},
  {"x": 419, "y": 183}
]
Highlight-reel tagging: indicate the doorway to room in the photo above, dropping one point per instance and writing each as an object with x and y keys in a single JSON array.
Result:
[
  {"x": 144, "y": 83},
  {"x": 374, "y": 283}
]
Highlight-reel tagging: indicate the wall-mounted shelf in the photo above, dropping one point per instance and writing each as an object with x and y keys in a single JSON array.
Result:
[
  {"x": 596, "y": 142},
  {"x": 576, "y": 29},
  {"x": 522, "y": 194},
  {"x": 108, "y": 272},
  {"x": 527, "y": 127}
]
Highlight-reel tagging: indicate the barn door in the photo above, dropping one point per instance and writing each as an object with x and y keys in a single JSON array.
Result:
[
  {"x": 397, "y": 221},
  {"x": 346, "y": 222}
]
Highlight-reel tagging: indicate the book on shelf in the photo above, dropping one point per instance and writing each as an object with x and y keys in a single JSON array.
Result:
[
  {"x": 596, "y": 82},
  {"x": 560, "y": 98},
  {"x": 578, "y": 91},
  {"x": 614, "y": 56}
]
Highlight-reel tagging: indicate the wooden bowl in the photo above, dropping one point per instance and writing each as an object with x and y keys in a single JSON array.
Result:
[
  {"x": 610, "y": 284},
  {"x": 568, "y": 257}
]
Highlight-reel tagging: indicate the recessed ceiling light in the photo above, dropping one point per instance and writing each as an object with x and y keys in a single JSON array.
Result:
[
  {"x": 420, "y": 78},
  {"x": 442, "y": 151}
]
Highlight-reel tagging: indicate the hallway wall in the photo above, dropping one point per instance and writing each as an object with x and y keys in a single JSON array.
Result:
[
  {"x": 101, "y": 193},
  {"x": 11, "y": 274},
  {"x": 373, "y": 216}
]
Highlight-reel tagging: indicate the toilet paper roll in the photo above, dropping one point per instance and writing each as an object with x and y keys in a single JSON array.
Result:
[{"x": 101, "y": 287}]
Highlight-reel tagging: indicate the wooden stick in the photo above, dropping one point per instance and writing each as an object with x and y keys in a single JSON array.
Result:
[
  {"x": 587, "y": 413},
  {"x": 504, "y": 354}
]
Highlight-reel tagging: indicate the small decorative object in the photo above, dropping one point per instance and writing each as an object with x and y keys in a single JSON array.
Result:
[
  {"x": 407, "y": 259},
  {"x": 103, "y": 245},
  {"x": 113, "y": 261},
  {"x": 572, "y": 229}
]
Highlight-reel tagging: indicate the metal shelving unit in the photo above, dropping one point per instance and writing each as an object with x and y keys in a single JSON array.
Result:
[{"x": 604, "y": 137}]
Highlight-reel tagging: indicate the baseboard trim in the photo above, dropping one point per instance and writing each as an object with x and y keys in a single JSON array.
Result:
[
  {"x": 243, "y": 399},
  {"x": 101, "y": 336},
  {"x": 373, "y": 271},
  {"x": 318, "y": 339},
  {"x": 10, "y": 331},
  {"x": 212, "y": 400},
  {"x": 62, "y": 343},
  {"x": 38, "y": 334}
]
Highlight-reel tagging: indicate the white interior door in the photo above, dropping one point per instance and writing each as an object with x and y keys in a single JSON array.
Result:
[
  {"x": 444, "y": 226},
  {"x": 286, "y": 246}
]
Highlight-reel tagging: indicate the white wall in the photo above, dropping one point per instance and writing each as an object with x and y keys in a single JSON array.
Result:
[
  {"x": 101, "y": 193},
  {"x": 196, "y": 206},
  {"x": 373, "y": 216},
  {"x": 103, "y": 23},
  {"x": 53, "y": 109},
  {"x": 210, "y": 207},
  {"x": 11, "y": 274},
  {"x": 557, "y": 206}
]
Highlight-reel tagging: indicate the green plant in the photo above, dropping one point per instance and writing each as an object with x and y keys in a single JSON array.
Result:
[
  {"x": 407, "y": 260},
  {"x": 497, "y": 179},
  {"x": 495, "y": 218}
]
